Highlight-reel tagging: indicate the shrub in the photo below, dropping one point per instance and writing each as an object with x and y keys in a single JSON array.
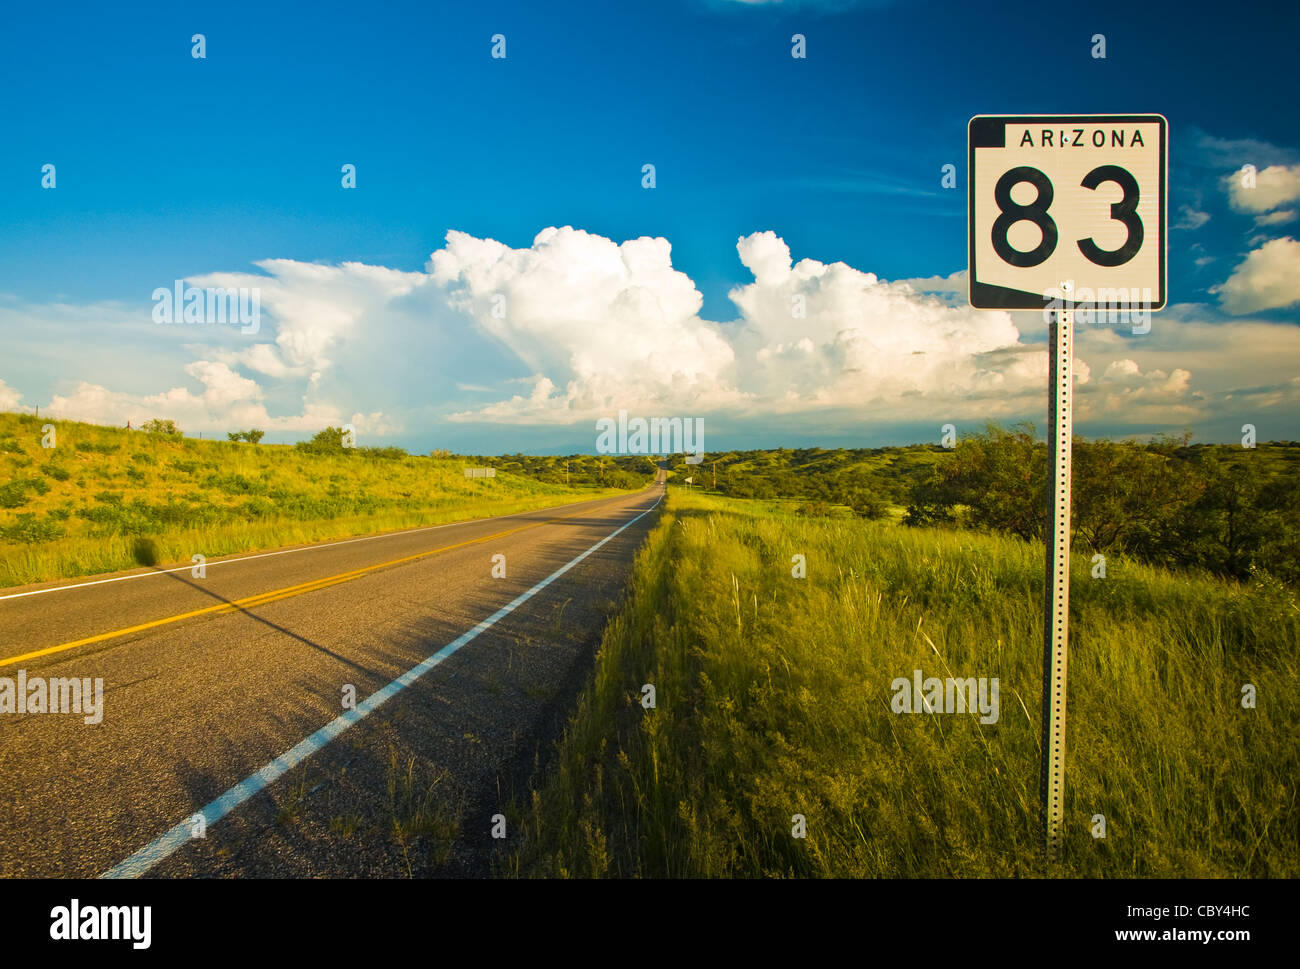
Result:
[
  {"x": 145, "y": 551},
  {"x": 28, "y": 528},
  {"x": 817, "y": 508},
  {"x": 382, "y": 453},
  {"x": 235, "y": 484},
  {"x": 13, "y": 495},
  {"x": 866, "y": 504},
  {"x": 328, "y": 441},
  {"x": 159, "y": 426}
]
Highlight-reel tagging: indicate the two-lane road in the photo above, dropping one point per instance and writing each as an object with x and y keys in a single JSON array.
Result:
[{"x": 226, "y": 695}]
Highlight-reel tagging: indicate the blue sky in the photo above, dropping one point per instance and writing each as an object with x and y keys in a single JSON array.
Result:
[{"x": 171, "y": 167}]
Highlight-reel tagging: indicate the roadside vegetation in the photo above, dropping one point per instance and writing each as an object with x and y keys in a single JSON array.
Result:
[
  {"x": 103, "y": 499},
  {"x": 1226, "y": 509},
  {"x": 773, "y": 699}
]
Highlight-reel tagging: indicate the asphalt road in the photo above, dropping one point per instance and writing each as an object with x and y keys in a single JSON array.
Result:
[{"x": 207, "y": 681}]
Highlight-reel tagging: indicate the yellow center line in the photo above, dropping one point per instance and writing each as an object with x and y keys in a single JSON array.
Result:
[{"x": 263, "y": 598}]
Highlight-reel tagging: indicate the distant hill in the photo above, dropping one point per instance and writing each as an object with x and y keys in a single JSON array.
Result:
[{"x": 105, "y": 498}]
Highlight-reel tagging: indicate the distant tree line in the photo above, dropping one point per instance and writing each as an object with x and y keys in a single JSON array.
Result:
[
  {"x": 1224, "y": 508},
  {"x": 628, "y": 471}
]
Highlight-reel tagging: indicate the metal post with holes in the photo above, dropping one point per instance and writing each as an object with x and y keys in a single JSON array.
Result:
[{"x": 1060, "y": 419}]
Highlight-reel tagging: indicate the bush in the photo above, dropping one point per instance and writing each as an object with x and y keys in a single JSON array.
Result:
[
  {"x": 145, "y": 551},
  {"x": 235, "y": 484},
  {"x": 382, "y": 453},
  {"x": 28, "y": 528},
  {"x": 116, "y": 520},
  {"x": 328, "y": 441},
  {"x": 257, "y": 507},
  {"x": 820, "y": 509},
  {"x": 13, "y": 495},
  {"x": 159, "y": 426},
  {"x": 252, "y": 436},
  {"x": 866, "y": 504}
]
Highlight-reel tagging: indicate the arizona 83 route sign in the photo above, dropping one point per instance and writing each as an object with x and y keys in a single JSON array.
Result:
[{"x": 1067, "y": 197}]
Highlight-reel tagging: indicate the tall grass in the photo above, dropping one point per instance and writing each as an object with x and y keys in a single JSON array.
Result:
[
  {"x": 773, "y": 699},
  {"x": 106, "y": 498}
]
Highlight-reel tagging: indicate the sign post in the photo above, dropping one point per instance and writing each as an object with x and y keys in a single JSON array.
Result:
[
  {"x": 1066, "y": 215},
  {"x": 1056, "y": 611}
]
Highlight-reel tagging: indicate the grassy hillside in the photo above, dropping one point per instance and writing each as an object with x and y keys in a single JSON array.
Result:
[
  {"x": 106, "y": 498},
  {"x": 774, "y": 699}
]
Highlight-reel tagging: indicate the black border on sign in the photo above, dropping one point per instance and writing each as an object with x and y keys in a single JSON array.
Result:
[{"x": 989, "y": 131}]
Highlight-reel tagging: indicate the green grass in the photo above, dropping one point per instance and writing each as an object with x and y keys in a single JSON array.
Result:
[
  {"x": 414, "y": 813},
  {"x": 105, "y": 499},
  {"x": 773, "y": 699}
]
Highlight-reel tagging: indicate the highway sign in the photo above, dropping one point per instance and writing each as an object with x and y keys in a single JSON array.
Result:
[
  {"x": 1065, "y": 213},
  {"x": 1067, "y": 197}
]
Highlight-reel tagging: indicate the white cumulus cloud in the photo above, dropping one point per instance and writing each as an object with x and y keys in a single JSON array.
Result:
[
  {"x": 10, "y": 399},
  {"x": 1269, "y": 278},
  {"x": 576, "y": 326},
  {"x": 602, "y": 324},
  {"x": 1275, "y": 185}
]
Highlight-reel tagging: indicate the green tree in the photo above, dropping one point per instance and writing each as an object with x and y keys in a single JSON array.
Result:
[
  {"x": 1227, "y": 525},
  {"x": 995, "y": 479},
  {"x": 157, "y": 425},
  {"x": 868, "y": 504},
  {"x": 327, "y": 441},
  {"x": 1129, "y": 496}
]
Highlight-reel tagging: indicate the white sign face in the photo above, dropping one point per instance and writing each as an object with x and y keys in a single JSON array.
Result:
[{"x": 1067, "y": 197}]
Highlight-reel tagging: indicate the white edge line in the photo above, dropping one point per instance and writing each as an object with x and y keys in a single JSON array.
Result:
[
  {"x": 163, "y": 846},
  {"x": 286, "y": 551}
]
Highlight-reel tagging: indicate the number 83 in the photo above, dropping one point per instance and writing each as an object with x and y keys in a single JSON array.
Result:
[{"x": 1124, "y": 211}]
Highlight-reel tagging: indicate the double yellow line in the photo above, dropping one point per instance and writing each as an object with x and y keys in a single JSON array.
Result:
[{"x": 264, "y": 598}]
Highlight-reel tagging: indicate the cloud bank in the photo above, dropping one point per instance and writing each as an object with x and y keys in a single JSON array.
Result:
[{"x": 576, "y": 326}]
